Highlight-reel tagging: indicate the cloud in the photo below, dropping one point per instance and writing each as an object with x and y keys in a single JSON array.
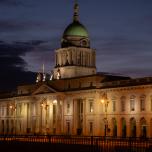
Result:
[
  {"x": 13, "y": 66},
  {"x": 41, "y": 54},
  {"x": 2, "y": 42}
]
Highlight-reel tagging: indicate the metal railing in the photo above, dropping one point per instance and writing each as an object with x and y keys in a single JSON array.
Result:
[{"x": 87, "y": 143}]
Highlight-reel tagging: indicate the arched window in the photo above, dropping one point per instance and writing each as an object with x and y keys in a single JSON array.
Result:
[
  {"x": 132, "y": 103},
  {"x": 132, "y": 127},
  {"x": 123, "y": 102},
  {"x": 142, "y": 103},
  {"x": 123, "y": 127},
  {"x": 114, "y": 127},
  {"x": 143, "y": 128}
]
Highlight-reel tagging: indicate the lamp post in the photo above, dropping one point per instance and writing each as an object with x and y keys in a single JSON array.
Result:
[
  {"x": 105, "y": 102},
  {"x": 44, "y": 105},
  {"x": 13, "y": 108}
]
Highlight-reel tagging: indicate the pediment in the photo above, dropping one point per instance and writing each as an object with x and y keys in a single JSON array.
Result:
[{"x": 44, "y": 89}]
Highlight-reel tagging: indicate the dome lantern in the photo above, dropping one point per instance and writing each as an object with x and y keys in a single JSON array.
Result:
[{"x": 76, "y": 12}]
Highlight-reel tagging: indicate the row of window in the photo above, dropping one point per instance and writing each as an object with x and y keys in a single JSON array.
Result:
[
  {"x": 18, "y": 109},
  {"x": 122, "y": 103}
]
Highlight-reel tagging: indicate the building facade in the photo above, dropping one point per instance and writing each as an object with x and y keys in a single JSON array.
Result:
[{"x": 76, "y": 100}]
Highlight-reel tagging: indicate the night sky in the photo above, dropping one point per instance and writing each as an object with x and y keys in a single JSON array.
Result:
[{"x": 30, "y": 31}]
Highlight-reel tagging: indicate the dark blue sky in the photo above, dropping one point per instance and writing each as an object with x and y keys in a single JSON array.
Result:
[{"x": 30, "y": 30}]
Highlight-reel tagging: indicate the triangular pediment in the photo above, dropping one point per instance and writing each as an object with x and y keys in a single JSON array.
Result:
[{"x": 44, "y": 89}]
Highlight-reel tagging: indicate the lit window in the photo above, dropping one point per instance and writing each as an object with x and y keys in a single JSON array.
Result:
[
  {"x": 91, "y": 106},
  {"x": 142, "y": 103},
  {"x": 123, "y": 101},
  {"x": 132, "y": 103}
]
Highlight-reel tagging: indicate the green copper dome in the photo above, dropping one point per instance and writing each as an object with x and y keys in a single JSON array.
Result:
[
  {"x": 76, "y": 29},
  {"x": 75, "y": 35}
]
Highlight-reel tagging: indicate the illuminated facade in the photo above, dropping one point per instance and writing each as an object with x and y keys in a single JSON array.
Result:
[{"x": 77, "y": 100}]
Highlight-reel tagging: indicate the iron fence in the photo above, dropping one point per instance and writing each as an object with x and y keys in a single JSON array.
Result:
[{"x": 82, "y": 143}]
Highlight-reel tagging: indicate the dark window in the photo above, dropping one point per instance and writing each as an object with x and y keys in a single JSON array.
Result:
[
  {"x": 68, "y": 107},
  {"x": 123, "y": 101},
  {"x": 142, "y": 103},
  {"x": 132, "y": 103}
]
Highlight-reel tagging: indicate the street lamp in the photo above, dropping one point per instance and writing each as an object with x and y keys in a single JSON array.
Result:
[
  {"x": 105, "y": 102},
  {"x": 12, "y": 107}
]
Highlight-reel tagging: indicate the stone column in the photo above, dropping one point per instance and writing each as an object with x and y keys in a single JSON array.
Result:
[
  {"x": 24, "y": 118},
  {"x": 75, "y": 116},
  {"x": 86, "y": 59},
  {"x": 83, "y": 58},
  {"x": 64, "y": 59},
  {"x": 89, "y": 59},
  {"x": 55, "y": 58},
  {"x": 28, "y": 117},
  {"x": 75, "y": 57},
  {"x": 50, "y": 117},
  {"x": 62, "y": 116},
  {"x": 84, "y": 117},
  {"x": 59, "y": 117},
  {"x": 69, "y": 56},
  {"x": 61, "y": 60},
  {"x": 148, "y": 128}
]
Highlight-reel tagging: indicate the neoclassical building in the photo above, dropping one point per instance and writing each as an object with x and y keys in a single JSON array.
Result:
[{"x": 78, "y": 100}]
